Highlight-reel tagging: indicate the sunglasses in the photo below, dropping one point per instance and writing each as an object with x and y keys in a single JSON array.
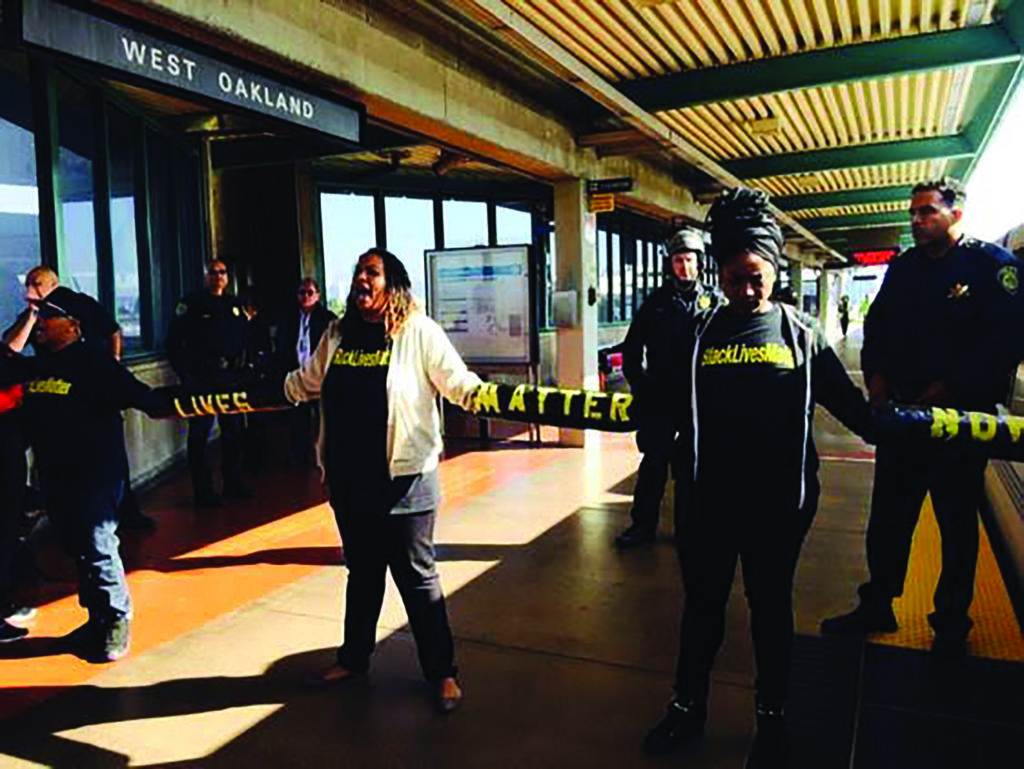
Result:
[
  {"x": 306, "y": 292},
  {"x": 216, "y": 272}
]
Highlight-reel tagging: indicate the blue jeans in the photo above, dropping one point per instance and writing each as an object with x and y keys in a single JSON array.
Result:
[{"x": 85, "y": 517}]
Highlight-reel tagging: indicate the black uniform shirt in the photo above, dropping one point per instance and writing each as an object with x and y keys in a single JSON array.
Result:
[
  {"x": 72, "y": 414},
  {"x": 750, "y": 394},
  {"x": 355, "y": 398},
  {"x": 208, "y": 335},
  {"x": 954, "y": 320}
]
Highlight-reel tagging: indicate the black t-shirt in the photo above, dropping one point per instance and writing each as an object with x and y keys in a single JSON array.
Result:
[
  {"x": 354, "y": 393},
  {"x": 750, "y": 397},
  {"x": 72, "y": 414}
]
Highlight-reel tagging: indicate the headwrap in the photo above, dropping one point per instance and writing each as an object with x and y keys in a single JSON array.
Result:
[{"x": 741, "y": 221}]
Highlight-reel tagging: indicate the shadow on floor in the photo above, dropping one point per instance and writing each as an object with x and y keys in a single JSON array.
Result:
[{"x": 566, "y": 648}]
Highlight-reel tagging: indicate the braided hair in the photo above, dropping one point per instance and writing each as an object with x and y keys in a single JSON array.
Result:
[{"x": 741, "y": 221}]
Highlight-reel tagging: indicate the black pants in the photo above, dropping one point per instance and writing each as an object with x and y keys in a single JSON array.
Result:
[
  {"x": 374, "y": 542},
  {"x": 12, "y": 494},
  {"x": 955, "y": 479},
  {"x": 656, "y": 443},
  {"x": 766, "y": 539},
  {"x": 303, "y": 425},
  {"x": 231, "y": 437}
]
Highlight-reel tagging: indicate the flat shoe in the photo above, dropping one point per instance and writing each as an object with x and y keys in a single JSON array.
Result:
[{"x": 449, "y": 695}]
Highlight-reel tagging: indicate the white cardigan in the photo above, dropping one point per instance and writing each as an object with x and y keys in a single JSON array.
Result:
[{"x": 423, "y": 363}]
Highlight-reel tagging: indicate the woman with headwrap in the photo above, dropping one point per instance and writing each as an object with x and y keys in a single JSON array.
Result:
[
  {"x": 758, "y": 368},
  {"x": 377, "y": 372}
]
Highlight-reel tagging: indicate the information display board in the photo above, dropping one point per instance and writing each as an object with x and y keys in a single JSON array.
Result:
[{"x": 483, "y": 299}]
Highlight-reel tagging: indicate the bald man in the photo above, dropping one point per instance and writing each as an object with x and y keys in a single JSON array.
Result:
[
  {"x": 99, "y": 330},
  {"x": 98, "y": 327}
]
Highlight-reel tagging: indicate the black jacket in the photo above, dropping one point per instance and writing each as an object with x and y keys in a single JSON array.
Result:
[
  {"x": 826, "y": 382},
  {"x": 286, "y": 335},
  {"x": 663, "y": 329},
  {"x": 954, "y": 320}
]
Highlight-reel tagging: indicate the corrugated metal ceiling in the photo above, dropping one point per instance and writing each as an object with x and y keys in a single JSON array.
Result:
[{"x": 633, "y": 40}]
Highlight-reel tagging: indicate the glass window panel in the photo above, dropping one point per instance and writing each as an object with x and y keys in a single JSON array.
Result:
[
  {"x": 19, "y": 196},
  {"x": 77, "y": 137},
  {"x": 465, "y": 223},
  {"x": 552, "y": 282},
  {"x": 123, "y": 143},
  {"x": 656, "y": 270},
  {"x": 514, "y": 226},
  {"x": 629, "y": 258},
  {"x": 616, "y": 283},
  {"x": 603, "y": 288},
  {"x": 348, "y": 229},
  {"x": 641, "y": 266},
  {"x": 410, "y": 228}
]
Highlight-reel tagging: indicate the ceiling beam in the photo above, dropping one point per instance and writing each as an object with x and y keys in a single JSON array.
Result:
[
  {"x": 828, "y": 66},
  {"x": 504, "y": 21},
  {"x": 843, "y": 198},
  {"x": 956, "y": 146},
  {"x": 858, "y": 221}
]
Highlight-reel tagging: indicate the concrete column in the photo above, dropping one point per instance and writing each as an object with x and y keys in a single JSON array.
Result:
[
  {"x": 575, "y": 255},
  {"x": 828, "y": 304},
  {"x": 796, "y": 282}
]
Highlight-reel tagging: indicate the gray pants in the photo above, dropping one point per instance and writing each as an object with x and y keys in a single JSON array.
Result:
[{"x": 375, "y": 541}]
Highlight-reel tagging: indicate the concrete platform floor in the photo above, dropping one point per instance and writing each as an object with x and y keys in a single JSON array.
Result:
[{"x": 566, "y": 646}]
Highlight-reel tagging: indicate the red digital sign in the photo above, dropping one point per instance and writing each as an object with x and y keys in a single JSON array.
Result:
[{"x": 877, "y": 256}]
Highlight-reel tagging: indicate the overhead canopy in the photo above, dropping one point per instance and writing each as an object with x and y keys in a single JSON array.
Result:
[{"x": 836, "y": 109}]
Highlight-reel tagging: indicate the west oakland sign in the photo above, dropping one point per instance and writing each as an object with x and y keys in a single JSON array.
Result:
[{"x": 70, "y": 31}]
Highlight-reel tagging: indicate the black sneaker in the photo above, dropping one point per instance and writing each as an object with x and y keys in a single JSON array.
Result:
[
  {"x": 681, "y": 723},
  {"x": 949, "y": 645},
  {"x": 864, "y": 619},
  {"x": 18, "y": 615},
  {"x": 771, "y": 746},
  {"x": 634, "y": 536},
  {"x": 9, "y": 632},
  {"x": 116, "y": 634}
]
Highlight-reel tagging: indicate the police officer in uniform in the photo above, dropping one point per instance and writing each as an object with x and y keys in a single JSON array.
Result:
[
  {"x": 73, "y": 397},
  {"x": 206, "y": 345},
  {"x": 662, "y": 331},
  {"x": 943, "y": 331}
]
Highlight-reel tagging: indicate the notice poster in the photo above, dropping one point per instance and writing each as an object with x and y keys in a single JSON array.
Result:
[{"x": 481, "y": 297}]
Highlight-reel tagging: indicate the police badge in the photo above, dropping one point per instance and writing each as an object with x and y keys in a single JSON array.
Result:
[{"x": 1008, "y": 279}]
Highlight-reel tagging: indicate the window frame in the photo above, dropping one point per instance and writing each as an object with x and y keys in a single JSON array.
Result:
[{"x": 43, "y": 74}]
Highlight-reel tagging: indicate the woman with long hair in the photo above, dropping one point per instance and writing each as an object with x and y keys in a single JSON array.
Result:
[{"x": 377, "y": 372}]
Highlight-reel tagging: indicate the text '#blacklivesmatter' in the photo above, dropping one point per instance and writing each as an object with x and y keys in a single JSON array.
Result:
[{"x": 778, "y": 355}]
